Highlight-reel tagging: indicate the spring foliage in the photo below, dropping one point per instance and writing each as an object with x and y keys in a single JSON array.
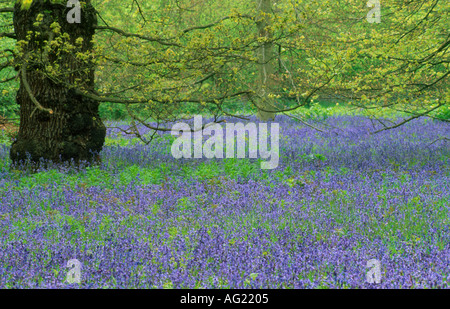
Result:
[{"x": 165, "y": 59}]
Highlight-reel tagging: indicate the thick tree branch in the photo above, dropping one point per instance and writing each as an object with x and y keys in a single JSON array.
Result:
[
  {"x": 6, "y": 10},
  {"x": 8, "y": 35},
  {"x": 142, "y": 37},
  {"x": 408, "y": 120},
  {"x": 216, "y": 23},
  {"x": 7, "y": 80},
  {"x": 30, "y": 94},
  {"x": 304, "y": 122}
]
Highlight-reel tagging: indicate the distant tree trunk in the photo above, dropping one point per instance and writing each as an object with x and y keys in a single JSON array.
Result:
[
  {"x": 65, "y": 126},
  {"x": 265, "y": 59}
]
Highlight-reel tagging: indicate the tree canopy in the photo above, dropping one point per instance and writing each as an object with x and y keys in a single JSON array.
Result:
[{"x": 164, "y": 59}]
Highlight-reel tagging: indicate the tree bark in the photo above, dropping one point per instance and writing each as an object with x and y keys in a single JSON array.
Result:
[
  {"x": 265, "y": 59},
  {"x": 56, "y": 124}
]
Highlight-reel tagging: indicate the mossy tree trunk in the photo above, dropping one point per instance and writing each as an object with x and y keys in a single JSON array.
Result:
[{"x": 56, "y": 124}]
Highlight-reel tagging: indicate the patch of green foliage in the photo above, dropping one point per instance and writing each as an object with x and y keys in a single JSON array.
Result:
[{"x": 444, "y": 113}]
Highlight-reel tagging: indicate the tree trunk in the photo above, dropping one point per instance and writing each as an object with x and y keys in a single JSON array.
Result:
[
  {"x": 265, "y": 59},
  {"x": 56, "y": 124}
]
